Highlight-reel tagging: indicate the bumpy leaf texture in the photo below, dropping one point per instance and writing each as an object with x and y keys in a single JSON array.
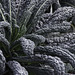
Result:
[
  {"x": 36, "y": 38},
  {"x": 56, "y": 63},
  {"x": 53, "y": 62},
  {"x": 5, "y": 29},
  {"x": 59, "y": 20},
  {"x": 17, "y": 68},
  {"x": 60, "y": 52},
  {"x": 26, "y": 44},
  {"x": 2, "y": 63}
]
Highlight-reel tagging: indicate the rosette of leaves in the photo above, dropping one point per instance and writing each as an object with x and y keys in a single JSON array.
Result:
[
  {"x": 18, "y": 40},
  {"x": 12, "y": 42}
]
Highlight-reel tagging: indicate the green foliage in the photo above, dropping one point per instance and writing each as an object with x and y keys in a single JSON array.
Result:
[
  {"x": 18, "y": 37},
  {"x": 14, "y": 28}
]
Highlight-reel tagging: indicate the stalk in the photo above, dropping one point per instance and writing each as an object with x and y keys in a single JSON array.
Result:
[
  {"x": 10, "y": 14},
  {"x": 2, "y": 15}
]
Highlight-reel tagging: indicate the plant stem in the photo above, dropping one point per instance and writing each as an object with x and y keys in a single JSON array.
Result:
[
  {"x": 10, "y": 14},
  {"x": 2, "y": 15}
]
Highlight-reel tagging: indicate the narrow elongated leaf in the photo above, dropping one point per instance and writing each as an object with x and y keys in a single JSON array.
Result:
[
  {"x": 56, "y": 63},
  {"x": 7, "y": 27},
  {"x": 63, "y": 54},
  {"x": 36, "y": 38},
  {"x": 26, "y": 44},
  {"x": 39, "y": 9},
  {"x": 2, "y": 63},
  {"x": 4, "y": 41},
  {"x": 17, "y": 68},
  {"x": 2, "y": 12},
  {"x": 63, "y": 27},
  {"x": 19, "y": 6}
]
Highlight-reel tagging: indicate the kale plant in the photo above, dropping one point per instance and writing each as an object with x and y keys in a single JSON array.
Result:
[{"x": 36, "y": 35}]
